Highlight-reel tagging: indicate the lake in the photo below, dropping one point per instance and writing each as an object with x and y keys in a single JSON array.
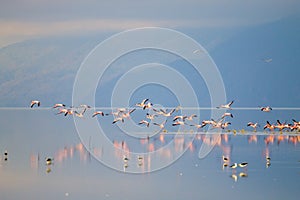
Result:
[{"x": 175, "y": 172}]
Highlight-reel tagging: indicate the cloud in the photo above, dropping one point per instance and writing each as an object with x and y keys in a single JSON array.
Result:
[
  {"x": 26, "y": 19},
  {"x": 13, "y": 30},
  {"x": 18, "y": 30}
]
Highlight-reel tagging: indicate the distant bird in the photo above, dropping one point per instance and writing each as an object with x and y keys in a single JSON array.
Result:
[
  {"x": 190, "y": 118},
  {"x": 178, "y": 108},
  {"x": 49, "y": 161},
  {"x": 269, "y": 126},
  {"x": 182, "y": 117},
  {"x": 162, "y": 125},
  {"x": 5, "y": 155},
  {"x": 121, "y": 110},
  {"x": 164, "y": 112},
  {"x": 197, "y": 125},
  {"x": 220, "y": 124},
  {"x": 281, "y": 126},
  {"x": 35, "y": 102},
  {"x": 268, "y": 60},
  {"x": 243, "y": 164},
  {"x": 80, "y": 114},
  {"x": 196, "y": 51},
  {"x": 85, "y": 106},
  {"x": 227, "y": 114},
  {"x": 140, "y": 158},
  {"x": 295, "y": 126},
  {"x": 225, "y": 125},
  {"x": 151, "y": 117},
  {"x": 118, "y": 119},
  {"x": 127, "y": 114},
  {"x": 205, "y": 122},
  {"x": 116, "y": 114},
  {"x": 225, "y": 159},
  {"x": 65, "y": 111},
  {"x": 125, "y": 158},
  {"x": 176, "y": 123},
  {"x": 253, "y": 125},
  {"x": 147, "y": 106},
  {"x": 62, "y": 110},
  {"x": 296, "y": 122},
  {"x": 58, "y": 105},
  {"x": 144, "y": 122},
  {"x": 266, "y": 109},
  {"x": 144, "y": 104},
  {"x": 268, "y": 161},
  {"x": 233, "y": 166},
  {"x": 98, "y": 113},
  {"x": 226, "y": 106}
]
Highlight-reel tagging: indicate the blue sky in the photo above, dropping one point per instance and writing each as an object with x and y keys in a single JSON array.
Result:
[{"x": 20, "y": 20}]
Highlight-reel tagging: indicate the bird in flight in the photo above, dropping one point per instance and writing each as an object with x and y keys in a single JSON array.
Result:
[
  {"x": 162, "y": 125},
  {"x": 58, "y": 105},
  {"x": 35, "y": 102},
  {"x": 253, "y": 125},
  {"x": 97, "y": 113},
  {"x": 227, "y": 114},
  {"x": 266, "y": 109},
  {"x": 144, "y": 104},
  {"x": 164, "y": 112},
  {"x": 144, "y": 122},
  {"x": 227, "y": 106}
]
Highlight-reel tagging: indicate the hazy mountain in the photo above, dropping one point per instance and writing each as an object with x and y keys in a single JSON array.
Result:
[
  {"x": 43, "y": 69},
  {"x": 259, "y": 65}
]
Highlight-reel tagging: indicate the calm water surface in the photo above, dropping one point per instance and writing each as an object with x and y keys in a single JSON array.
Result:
[{"x": 30, "y": 137}]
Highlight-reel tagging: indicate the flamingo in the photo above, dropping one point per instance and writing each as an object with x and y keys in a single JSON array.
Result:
[
  {"x": 151, "y": 117},
  {"x": 144, "y": 122},
  {"x": 266, "y": 109},
  {"x": 164, "y": 112},
  {"x": 243, "y": 164},
  {"x": 97, "y": 113},
  {"x": 127, "y": 114},
  {"x": 227, "y": 114},
  {"x": 281, "y": 126},
  {"x": 227, "y": 106},
  {"x": 142, "y": 104},
  {"x": 253, "y": 125},
  {"x": 57, "y": 105},
  {"x": 182, "y": 117},
  {"x": 80, "y": 114},
  {"x": 190, "y": 118},
  {"x": 162, "y": 125},
  {"x": 35, "y": 102},
  {"x": 178, "y": 123},
  {"x": 271, "y": 127},
  {"x": 118, "y": 119}
]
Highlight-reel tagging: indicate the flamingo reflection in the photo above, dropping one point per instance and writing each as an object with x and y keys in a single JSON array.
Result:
[{"x": 180, "y": 143}]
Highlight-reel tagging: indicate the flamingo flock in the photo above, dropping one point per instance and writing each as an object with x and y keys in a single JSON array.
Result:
[{"x": 121, "y": 114}]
